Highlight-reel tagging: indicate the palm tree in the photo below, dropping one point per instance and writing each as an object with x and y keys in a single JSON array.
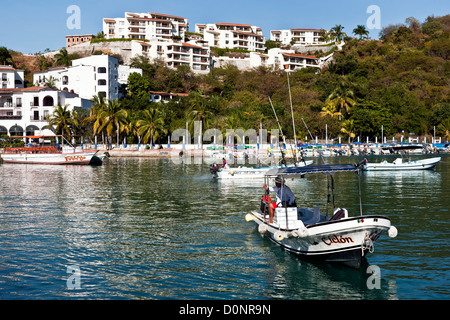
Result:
[
  {"x": 330, "y": 110},
  {"x": 62, "y": 58},
  {"x": 444, "y": 128},
  {"x": 338, "y": 33},
  {"x": 51, "y": 83},
  {"x": 151, "y": 125},
  {"x": 342, "y": 97},
  {"x": 348, "y": 127},
  {"x": 61, "y": 119},
  {"x": 198, "y": 110},
  {"x": 98, "y": 104},
  {"x": 112, "y": 117},
  {"x": 361, "y": 31}
]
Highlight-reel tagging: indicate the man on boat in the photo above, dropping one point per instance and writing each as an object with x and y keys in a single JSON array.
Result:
[
  {"x": 285, "y": 196},
  {"x": 225, "y": 164}
]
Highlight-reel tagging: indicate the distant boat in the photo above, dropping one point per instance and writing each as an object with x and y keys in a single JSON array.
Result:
[
  {"x": 399, "y": 164},
  {"x": 250, "y": 172},
  {"x": 43, "y": 154}
]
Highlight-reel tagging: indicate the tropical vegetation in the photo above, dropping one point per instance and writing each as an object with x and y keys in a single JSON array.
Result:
[{"x": 398, "y": 85}]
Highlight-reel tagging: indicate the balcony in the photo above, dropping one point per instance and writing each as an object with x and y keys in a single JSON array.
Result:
[{"x": 9, "y": 117}]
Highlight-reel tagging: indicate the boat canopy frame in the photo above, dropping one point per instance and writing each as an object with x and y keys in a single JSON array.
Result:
[{"x": 328, "y": 170}]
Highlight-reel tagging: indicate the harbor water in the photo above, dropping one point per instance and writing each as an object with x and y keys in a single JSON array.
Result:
[{"x": 137, "y": 228}]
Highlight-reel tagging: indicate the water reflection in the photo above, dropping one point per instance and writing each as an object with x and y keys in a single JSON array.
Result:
[{"x": 153, "y": 229}]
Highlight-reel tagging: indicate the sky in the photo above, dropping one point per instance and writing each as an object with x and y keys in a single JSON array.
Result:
[{"x": 31, "y": 26}]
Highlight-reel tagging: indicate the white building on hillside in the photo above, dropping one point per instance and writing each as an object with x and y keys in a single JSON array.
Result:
[
  {"x": 297, "y": 37},
  {"x": 11, "y": 77},
  {"x": 145, "y": 26},
  {"x": 232, "y": 36},
  {"x": 89, "y": 76},
  {"x": 276, "y": 58},
  {"x": 174, "y": 53},
  {"x": 24, "y": 110}
]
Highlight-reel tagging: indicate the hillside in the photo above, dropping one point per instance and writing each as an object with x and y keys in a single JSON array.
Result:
[{"x": 400, "y": 82}]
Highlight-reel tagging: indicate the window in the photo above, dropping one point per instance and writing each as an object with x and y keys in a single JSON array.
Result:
[
  {"x": 102, "y": 82},
  {"x": 48, "y": 101},
  {"x": 101, "y": 70}
]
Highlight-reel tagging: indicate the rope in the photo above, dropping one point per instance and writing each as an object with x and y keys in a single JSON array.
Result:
[{"x": 370, "y": 246}]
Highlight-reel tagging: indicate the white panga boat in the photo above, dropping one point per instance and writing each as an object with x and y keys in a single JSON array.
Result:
[
  {"x": 400, "y": 164},
  {"x": 42, "y": 154},
  {"x": 250, "y": 172},
  {"x": 308, "y": 233}
]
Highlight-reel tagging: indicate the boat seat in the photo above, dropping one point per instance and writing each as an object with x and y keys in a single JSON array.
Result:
[
  {"x": 315, "y": 218},
  {"x": 339, "y": 214}
]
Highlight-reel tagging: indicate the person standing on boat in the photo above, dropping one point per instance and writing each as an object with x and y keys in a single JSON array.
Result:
[
  {"x": 225, "y": 164},
  {"x": 285, "y": 196}
]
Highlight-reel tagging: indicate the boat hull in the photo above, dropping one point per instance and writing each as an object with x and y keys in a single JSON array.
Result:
[
  {"x": 79, "y": 158},
  {"x": 344, "y": 241},
  {"x": 424, "y": 164}
]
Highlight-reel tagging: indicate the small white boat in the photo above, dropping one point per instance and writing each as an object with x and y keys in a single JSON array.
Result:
[
  {"x": 308, "y": 233},
  {"x": 41, "y": 154},
  {"x": 250, "y": 172},
  {"x": 399, "y": 164}
]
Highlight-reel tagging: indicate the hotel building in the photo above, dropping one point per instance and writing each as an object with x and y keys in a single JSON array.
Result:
[
  {"x": 89, "y": 76},
  {"x": 175, "y": 52},
  {"x": 24, "y": 110},
  {"x": 297, "y": 37},
  {"x": 232, "y": 36},
  {"x": 11, "y": 77},
  {"x": 145, "y": 26}
]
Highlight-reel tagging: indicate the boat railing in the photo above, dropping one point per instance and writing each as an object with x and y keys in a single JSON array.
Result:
[{"x": 32, "y": 150}]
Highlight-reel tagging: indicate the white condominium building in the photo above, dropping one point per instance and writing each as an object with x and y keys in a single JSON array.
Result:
[
  {"x": 297, "y": 36},
  {"x": 145, "y": 26},
  {"x": 89, "y": 76},
  {"x": 232, "y": 36},
  {"x": 11, "y": 77},
  {"x": 25, "y": 110},
  {"x": 195, "y": 54}
]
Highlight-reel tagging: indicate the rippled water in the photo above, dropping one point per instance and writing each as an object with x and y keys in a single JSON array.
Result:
[{"x": 153, "y": 229}]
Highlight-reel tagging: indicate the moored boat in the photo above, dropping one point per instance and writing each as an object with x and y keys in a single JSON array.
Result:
[
  {"x": 250, "y": 172},
  {"x": 308, "y": 233},
  {"x": 399, "y": 164},
  {"x": 43, "y": 154}
]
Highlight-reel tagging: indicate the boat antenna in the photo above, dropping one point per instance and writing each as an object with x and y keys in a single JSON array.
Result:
[
  {"x": 281, "y": 130},
  {"x": 292, "y": 112},
  {"x": 320, "y": 151}
]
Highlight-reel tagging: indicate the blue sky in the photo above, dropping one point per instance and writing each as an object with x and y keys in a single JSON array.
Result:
[{"x": 31, "y": 26}]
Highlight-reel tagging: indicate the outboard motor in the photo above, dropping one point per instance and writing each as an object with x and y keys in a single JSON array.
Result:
[{"x": 214, "y": 168}]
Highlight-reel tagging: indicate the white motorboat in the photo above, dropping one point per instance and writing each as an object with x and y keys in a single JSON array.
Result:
[
  {"x": 308, "y": 233},
  {"x": 41, "y": 154},
  {"x": 250, "y": 172},
  {"x": 400, "y": 164}
]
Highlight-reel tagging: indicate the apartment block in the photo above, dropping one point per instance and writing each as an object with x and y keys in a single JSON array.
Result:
[
  {"x": 232, "y": 36},
  {"x": 145, "y": 26},
  {"x": 89, "y": 76},
  {"x": 297, "y": 36},
  {"x": 275, "y": 58},
  {"x": 25, "y": 110},
  {"x": 176, "y": 52},
  {"x": 11, "y": 77}
]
